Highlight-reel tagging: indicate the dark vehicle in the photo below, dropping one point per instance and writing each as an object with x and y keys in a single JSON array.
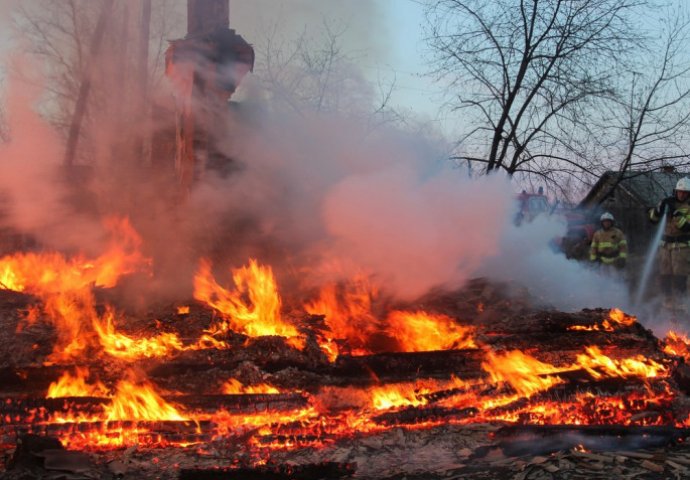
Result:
[{"x": 531, "y": 205}]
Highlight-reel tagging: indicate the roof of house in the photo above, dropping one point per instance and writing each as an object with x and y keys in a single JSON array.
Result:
[{"x": 647, "y": 188}]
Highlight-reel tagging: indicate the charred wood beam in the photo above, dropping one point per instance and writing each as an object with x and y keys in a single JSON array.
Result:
[
  {"x": 388, "y": 367},
  {"x": 85, "y": 87},
  {"x": 31, "y": 410},
  {"x": 144, "y": 432},
  {"x": 510, "y": 431},
  {"x": 602, "y": 390},
  {"x": 330, "y": 470},
  {"x": 244, "y": 403},
  {"x": 415, "y": 415},
  {"x": 519, "y": 440}
]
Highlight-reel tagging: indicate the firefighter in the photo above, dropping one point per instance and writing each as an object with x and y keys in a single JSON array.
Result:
[
  {"x": 609, "y": 247},
  {"x": 674, "y": 250}
]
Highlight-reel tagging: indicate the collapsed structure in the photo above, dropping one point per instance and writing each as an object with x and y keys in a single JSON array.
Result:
[
  {"x": 242, "y": 382},
  {"x": 205, "y": 67}
]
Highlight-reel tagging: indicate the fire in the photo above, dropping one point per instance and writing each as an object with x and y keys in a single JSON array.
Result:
[
  {"x": 515, "y": 387},
  {"x": 348, "y": 314},
  {"x": 122, "y": 346},
  {"x": 525, "y": 374},
  {"x": 76, "y": 386},
  {"x": 421, "y": 331},
  {"x": 616, "y": 319},
  {"x": 232, "y": 387},
  {"x": 64, "y": 284},
  {"x": 260, "y": 316},
  {"x": 139, "y": 401},
  {"x": 599, "y": 365},
  {"x": 125, "y": 347},
  {"x": 48, "y": 273},
  {"x": 394, "y": 396},
  {"x": 677, "y": 344}
]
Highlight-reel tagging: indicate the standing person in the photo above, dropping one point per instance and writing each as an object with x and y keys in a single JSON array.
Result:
[
  {"x": 609, "y": 247},
  {"x": 674, "y": 251}
]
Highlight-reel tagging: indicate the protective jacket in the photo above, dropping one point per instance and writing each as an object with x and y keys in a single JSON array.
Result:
[
  {"x": 608, "y": 246},
  {"x": 677, "y": 230}
]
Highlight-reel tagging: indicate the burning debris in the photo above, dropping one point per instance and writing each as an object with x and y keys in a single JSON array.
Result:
[
  {"x": 260, "y": 376},
  {"x": 245, "y": 375}
]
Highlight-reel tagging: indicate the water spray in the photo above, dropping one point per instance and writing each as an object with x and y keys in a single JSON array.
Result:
[{"x": 649, "y": 261}]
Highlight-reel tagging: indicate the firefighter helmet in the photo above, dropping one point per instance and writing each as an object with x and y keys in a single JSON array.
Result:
[
  {"x": 606, "y": 216},
  {"x": 683, "y": 185}
]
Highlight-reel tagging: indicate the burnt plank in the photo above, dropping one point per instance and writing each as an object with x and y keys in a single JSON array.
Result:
[
  {"x": 397, "y": 366},
  {"x": 16, "y": 411},
  {"x": 330, "y": 470}
]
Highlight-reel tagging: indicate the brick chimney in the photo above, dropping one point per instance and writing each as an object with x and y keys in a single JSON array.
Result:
[{"x": 204, "y": 16}]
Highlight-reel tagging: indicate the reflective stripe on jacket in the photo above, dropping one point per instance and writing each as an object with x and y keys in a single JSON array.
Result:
[
  {"x": 608, "y": 245},
  {"x": 678, "y": 224}
]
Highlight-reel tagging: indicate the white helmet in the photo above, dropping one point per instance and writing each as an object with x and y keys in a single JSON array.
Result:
[
  {"x": 683, "y": 185},
  {"x": 606, "y": 216}
]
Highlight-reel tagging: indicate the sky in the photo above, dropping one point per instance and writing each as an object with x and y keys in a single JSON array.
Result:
[{"x": 386, "y": 35}]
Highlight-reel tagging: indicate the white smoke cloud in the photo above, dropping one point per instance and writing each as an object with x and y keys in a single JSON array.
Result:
[{"x": 527, "y": 258}]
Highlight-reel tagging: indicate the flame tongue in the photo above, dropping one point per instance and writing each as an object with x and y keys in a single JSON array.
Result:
[
  {"x": 64, "y": 285},
  {"x": 421, "y": 331},
  {"x": 525, "y": 374},
  {"x": 599, "y": 365},
  {"x": 139, "y": 401},
  {"x": 259, "y": 316},
  {"x": 76, "y": 386},
  {"x": 232, "y": 387}
]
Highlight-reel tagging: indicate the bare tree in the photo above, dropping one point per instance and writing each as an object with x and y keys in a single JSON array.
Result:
[
  {"x": 649, "y": 124},
  {"x": 60, "y": 34},
  {"x": 524, "y": 72},
  {"x": 4, "y": 128},
  {"x": 312, "y": 72}
]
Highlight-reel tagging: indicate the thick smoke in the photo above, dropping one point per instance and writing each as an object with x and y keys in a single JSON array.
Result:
[
  {"x": 362, "y": 22},
  {"x": 319, "y": 196},
  {"x": 528, "y": 257},
  {"x": 35, "y": 194},
  {"x": 348, "y": 201}
]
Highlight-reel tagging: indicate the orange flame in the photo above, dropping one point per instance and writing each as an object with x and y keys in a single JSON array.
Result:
[
  {"x": 76, "y": 386},
  {"x": 616, "y": 319},
  {"x": 525, "y": 374},
  {"x": 135, "y": 401},
  {"x": 64, "y": 285},
  {"x": 125, "y": 347},
  {"x": 348, "y": 315},
  {"x": 260, "y": 316},
  {"x": 421, "y": 331},
  {"x": 599, "y": 365},
  {"x": 232, "y": 387},
  {"x": 677, "y": 344}
]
